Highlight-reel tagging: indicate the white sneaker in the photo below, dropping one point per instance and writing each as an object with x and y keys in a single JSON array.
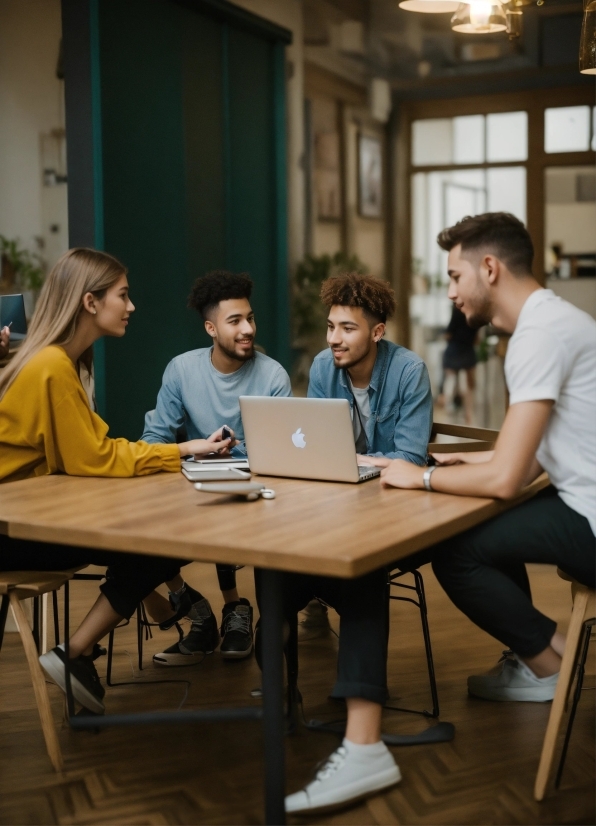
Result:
[
  {"x": 351, "y": 773},
  {"x": 511, "y": 679}
]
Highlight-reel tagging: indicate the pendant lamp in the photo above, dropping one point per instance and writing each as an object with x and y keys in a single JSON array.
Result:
[
  {"x": 430, "y": 6},
  {"x": 587, "y": 43},
  {"x": 479, "y": 17}
]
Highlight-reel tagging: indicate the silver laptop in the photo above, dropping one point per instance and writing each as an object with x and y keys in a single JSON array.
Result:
[{"x": 302, "y": 438}]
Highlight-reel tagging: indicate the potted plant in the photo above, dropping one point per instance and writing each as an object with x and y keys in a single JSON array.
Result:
[{"x": 20, "y": 271}]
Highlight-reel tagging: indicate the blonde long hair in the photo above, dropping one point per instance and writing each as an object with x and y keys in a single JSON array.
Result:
[{"x": 77, "y": 272}]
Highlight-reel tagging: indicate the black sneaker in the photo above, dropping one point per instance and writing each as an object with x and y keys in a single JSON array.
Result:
[
  {"x": 236, "y": 630},
  {"x": 202, "y": 639},
  {"x": 84, "y": 679}
]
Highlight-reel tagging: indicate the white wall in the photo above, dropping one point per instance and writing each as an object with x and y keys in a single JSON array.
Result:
[
  {"x": 288, "y": 13},
  {"x": 31, "y": 104}
]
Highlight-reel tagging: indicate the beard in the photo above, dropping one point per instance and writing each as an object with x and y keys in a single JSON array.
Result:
[
  {"x": 482, "y": 312},
  {"x": 232, "y": 354}
]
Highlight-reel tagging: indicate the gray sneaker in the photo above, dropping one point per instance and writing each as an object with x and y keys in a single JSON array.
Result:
[
  {"x": 203, "y": 638},
  {"x": 314, "y": 622},
  {"x": 511, "y": 679}
]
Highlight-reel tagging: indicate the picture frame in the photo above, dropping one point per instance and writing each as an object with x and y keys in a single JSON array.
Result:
[{"x": 370, "y": 176}]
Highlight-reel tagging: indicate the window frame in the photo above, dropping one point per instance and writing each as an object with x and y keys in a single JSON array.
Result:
[{"x": 534, "y": 102}]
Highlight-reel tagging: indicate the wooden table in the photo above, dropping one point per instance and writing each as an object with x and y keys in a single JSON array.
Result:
[{"x": 321, "y": 528}]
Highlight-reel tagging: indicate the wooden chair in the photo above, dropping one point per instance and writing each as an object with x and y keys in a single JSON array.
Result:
[
  {"x": 583, "y": 618},
  {"x": 483, "y": 439},
  {"x": 14, "y": 587}
]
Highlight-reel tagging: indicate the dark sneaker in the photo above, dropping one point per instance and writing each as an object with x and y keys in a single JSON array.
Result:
[
  {"x": 84, "y": 679},
  {"x": 202, "y": 639},
  {"x": 236, "y": 630}
]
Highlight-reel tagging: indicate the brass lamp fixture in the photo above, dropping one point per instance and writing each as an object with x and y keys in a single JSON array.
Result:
[{"x": 587, "y": 43}]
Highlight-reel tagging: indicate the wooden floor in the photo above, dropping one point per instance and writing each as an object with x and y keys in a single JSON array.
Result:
[{"x": 212, "y": 774}]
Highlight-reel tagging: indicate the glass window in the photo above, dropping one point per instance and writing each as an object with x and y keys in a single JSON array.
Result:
[
  {"x": 506, "y": 190},
  {"x": 594, "y": 129},
  {"x": 567, "y": 129},
  {"x": 507, "y": 136},
  {"x": 431, "y": 142},
  {"x": 468, "y": 139}
]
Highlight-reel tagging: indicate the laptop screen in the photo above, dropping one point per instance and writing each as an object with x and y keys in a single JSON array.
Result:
[{"x": 12, "y": 314}]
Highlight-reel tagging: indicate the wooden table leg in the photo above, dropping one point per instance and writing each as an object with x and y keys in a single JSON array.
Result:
[{"x": 273, "y": 700}]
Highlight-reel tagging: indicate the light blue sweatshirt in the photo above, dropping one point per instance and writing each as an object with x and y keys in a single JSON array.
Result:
[{"x": 196, "y": 399}]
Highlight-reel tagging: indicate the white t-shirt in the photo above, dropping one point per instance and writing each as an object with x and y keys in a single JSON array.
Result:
[{"x": 552, "y": 355}]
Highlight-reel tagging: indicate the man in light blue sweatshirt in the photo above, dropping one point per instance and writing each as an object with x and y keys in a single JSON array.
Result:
[{"x": 200, "y": 388}]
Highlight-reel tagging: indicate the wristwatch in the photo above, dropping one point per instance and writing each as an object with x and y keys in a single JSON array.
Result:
[{"x": 426, "y": 477}]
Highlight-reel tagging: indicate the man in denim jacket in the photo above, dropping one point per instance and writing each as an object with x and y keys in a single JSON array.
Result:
[
  {"x": 389, "y": 394},
  {"x": 386, "y": 385}
]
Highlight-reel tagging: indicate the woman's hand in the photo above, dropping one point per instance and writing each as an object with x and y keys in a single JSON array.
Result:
[
  {"x": 402, "y": 474},
  {"x": 4, "y": 342},
  {"x": 214, "y": 444}
]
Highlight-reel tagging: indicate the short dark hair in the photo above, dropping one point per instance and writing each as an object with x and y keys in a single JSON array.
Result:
[
  {"x": 216, "y": 286},
  {"x": 352, "y": 289},
  {"x": 500, "y": 232}
]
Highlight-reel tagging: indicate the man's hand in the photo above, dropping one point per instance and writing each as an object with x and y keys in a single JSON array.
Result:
[
  {"x": 4, "y": 342},
  {"x": 499, "y": 474},
  {"x": 214, "y": 444},
  {"x": 473, "y": 458},
  {"x": 372, "y": 461},
  {"x": 401, "y": 474}
]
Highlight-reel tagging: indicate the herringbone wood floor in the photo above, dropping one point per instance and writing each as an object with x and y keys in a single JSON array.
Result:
[{"x": 212, "y": 774}]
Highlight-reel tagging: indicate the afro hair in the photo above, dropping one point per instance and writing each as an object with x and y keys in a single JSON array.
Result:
[
  {"x": 351, "y": 289},
  {"x": 216, "y": 286}
]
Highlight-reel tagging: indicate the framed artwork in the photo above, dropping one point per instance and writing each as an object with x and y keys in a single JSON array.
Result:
[
  {"x": 370, "y": 177},
  {"x": 327, "y": 178}
]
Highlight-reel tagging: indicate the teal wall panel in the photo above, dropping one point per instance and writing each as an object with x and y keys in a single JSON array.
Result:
[{"x": 188, "y": 108}]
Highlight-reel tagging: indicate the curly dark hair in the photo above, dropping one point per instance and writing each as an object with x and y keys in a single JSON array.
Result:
[
  {"x": 352, "y": 289},
  {"x": 216, "y": 286},
  {"x": 498, "y": 232}
]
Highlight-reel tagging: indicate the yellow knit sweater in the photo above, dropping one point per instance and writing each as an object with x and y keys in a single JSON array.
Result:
[{"x": 47, "y": 426}]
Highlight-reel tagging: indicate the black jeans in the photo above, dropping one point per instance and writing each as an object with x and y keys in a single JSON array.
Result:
[
  {"x": 226, "y": 576},
  {"x": 129, "y": 577},
  {"x": 363, "y": 606},
  {"x": 483, "y": 570}
]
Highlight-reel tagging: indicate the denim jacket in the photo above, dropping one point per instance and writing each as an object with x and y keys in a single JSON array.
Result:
[{"x": 401, "y": 402}]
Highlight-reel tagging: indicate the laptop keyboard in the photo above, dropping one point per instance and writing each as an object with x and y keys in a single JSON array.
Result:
[{"x": 364, "y": 471}]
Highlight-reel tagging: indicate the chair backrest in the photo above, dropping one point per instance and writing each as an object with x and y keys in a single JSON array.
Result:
[{"x": 483, "y": 439}]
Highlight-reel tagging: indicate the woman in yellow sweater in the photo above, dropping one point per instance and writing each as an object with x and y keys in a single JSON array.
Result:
[{"x": 47, "y": 426}]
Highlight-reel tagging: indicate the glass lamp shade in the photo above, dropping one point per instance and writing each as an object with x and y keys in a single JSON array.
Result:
[
  {"x": 479, "y": 17},
  {"x": 587, "y": 43},
  {"x": 430, "y": 6}
]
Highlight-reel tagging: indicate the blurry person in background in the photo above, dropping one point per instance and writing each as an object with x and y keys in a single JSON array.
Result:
[{"x": 459, "y": 356}]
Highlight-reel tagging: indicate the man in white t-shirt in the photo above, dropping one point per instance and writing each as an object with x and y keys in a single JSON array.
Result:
[{"x": 550, "y": 425}]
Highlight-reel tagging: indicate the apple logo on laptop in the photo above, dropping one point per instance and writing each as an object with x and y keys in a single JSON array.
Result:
[{"x": 298, "y": 438}]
